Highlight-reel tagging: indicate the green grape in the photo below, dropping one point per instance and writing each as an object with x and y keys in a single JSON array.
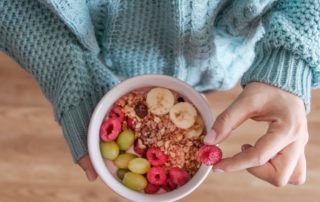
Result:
[
  {"x": 123, "y": 160},
  {"x": 109, "y": 150},
  {"x": 125, "y": 139},
  {"x": 121, "y": 172},
  {"x": 134, "y": 181},
  {"x": 139, "y": 165}
]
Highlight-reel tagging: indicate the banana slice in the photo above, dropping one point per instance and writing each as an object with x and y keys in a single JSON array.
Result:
[
  {"x": 183, "y": 115},
  {"x": 160, "y": 101},
  {"x": 197, "y": 128}
]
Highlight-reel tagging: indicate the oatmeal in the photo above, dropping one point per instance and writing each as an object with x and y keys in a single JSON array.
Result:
[{"x": 159, "y": 133}]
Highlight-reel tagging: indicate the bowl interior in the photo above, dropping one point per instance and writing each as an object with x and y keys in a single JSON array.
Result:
[{"x": 107, "y": 102}]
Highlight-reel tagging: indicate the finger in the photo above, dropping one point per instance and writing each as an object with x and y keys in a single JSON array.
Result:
[
  {"x": 278, "y": 170},
  {"x": 86, "y": 165},
  {"x": 265, "y": 149},
  {"x": 299, "y": 174},
  {"x": 231, "y": 118}
]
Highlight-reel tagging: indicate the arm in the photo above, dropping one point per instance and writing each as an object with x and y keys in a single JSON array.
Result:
[
  {"x": 288, "y": 55},
  {"x": 277, "y": 91},
  {"x": 71, "y": 77}
]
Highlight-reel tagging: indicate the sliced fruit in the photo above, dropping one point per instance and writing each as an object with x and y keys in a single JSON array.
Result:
[
  {"x": 134, "y": 181},
  {"x": 151, "y": 189},
  {"x": 139, "y": 165},
  {"x": 141, "y": 110},
  {"x": 157, "y": 176},
  {"x": 156, "y": 157},
  {"x": 109, "y": 150},
  {"x": 117, "y": 113},
  {"x": 125, "y": 139},
  {"x": 160, "y": 101},
  {"x": 110, "y": 129},
  {"x": 169, "y": 185},
  {"x": 183, "y": 115},
  {"x": 179, "y": 176},
  {"x": 123, "y": 160},
  {"x": 197, "y": 128},
  {"x": 121, "y": 172},
  {"x": 139, "y": 147},
  {"x": 210, "y": 154}
]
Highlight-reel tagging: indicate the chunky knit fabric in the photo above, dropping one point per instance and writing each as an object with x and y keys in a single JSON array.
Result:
[{"x": 77, "y": 50}]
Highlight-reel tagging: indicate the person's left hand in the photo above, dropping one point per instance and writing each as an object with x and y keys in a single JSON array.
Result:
[
  {"x": 86, "y": 165},
  {"x": 278, "y": 155}
]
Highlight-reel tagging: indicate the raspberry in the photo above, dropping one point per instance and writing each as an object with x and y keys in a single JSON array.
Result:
[
  {"x": 131, "y": 123},
  {"x": 117, "y": 113},
  {"x": 209, "y": 154},
  {"x": 169, "y": 185},
  {"x": 179, "y": 176},
  {"x": 156, "y": 157},
  {"x": 157, "y": 176},
  {"x": 151, "y": 188},
  {"x": 110, "y": 129},
  {"x": 139, "y": 147}
]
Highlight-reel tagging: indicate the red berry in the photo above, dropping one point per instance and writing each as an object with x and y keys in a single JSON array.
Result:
[
  {"x": 139, "y": 147},
  {"x": 131, "y": 123},
  {"x": 110, "y": 129},
  {"x": 151, "y": 188},
  {"x": 179, "y": 176},
  {"x": 156, "y": 157},
  {"x": 209, "y": 154},
  {"x": 157, "y": 176},
  {"x": 117, "y": 113},
  {"x": 169, "y": 185}
]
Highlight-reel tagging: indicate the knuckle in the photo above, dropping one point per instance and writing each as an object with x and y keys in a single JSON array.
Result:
[
  {"x": 279, "y": 182},
  {"x": 261, "y": 158},
  {"x": 298, "y": 179}
]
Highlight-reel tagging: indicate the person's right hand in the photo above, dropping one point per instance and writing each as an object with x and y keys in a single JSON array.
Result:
[{"x": 278, "y": 156}]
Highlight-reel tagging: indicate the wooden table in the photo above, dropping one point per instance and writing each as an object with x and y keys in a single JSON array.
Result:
[{"x": 35, "y": 164}]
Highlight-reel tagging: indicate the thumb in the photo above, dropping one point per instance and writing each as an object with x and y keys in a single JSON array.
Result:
[
  {"x": 86, "y": 165},
  {"x": 239, "y": 111}
]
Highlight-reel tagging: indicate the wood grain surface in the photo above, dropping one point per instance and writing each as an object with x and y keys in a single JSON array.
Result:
[{"x": 36, "y": 166}]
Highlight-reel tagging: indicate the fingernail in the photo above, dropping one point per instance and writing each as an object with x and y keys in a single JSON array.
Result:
[
  {"x": 217, "y": 170},
  {"x": 210, "y": 137},
  {"x": 90, "y": 176}
]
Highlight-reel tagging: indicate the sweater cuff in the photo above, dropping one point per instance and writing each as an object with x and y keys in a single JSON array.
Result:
[
  {"x": 280, "y": 68},
  {"x": 75, "y": 124}
]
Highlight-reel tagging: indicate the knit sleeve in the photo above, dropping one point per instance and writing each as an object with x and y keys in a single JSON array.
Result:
[
  {"x": 288, "y": 55},
  {"x": 70, "y": 76}
]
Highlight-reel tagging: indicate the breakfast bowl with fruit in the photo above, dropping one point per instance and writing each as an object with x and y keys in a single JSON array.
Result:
[{"x": 145, "y": 139}]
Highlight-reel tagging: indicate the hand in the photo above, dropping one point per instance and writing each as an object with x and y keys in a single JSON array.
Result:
[
  {"x": 86, "y": 165},
  {"x": 278, "y": 156}
]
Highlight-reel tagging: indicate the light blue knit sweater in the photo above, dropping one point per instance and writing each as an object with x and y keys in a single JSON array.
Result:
[{"x": 77, "y": 50}]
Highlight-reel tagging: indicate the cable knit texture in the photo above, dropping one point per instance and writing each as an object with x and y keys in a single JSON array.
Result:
[{"x": 78, "y": 49}]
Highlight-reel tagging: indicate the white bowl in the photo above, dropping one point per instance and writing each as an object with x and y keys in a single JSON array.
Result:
[{"x": 106, "y": 103}]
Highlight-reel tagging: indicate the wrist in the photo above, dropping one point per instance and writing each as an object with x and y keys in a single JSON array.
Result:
[
  {"x": 280, "y": 68},
  {"x": 75, "y": 122}
]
